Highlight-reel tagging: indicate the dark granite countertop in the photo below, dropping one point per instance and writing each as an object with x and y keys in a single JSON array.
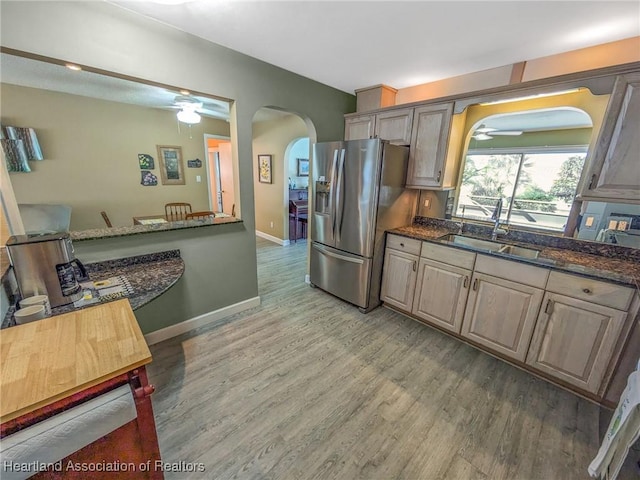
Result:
[
  {"x": 618, "y": 268},
  {"x": 98, "y": 233},
  {"x": 149, "y": 275}
]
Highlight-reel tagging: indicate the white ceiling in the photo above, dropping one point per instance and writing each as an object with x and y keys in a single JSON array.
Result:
[{"x": 355, "y": 44}]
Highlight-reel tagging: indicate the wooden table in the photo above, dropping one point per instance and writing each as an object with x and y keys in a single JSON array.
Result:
[
  {"x": 51, "y": 365},
  {"x": 151, "y": 220}
]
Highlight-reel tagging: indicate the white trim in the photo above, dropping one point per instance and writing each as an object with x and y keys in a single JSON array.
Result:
[
  {"x": 204, "y": 319},
  {"x": 529, "y": 150},
  {"x": 8, "y": 197},
  {"x": 273, "y": 239},
  {"x": 206, "y": 137}
]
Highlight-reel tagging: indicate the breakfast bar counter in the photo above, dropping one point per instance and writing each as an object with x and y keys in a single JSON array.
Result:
[{"x": 147, "y": 276}]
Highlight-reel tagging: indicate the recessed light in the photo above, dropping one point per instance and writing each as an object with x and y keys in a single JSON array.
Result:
[
  {"x": 185, "y": 92},
  {"x": 73, "y": 67}
]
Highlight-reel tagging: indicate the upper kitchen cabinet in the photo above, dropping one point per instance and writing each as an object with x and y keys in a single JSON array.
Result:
[
  {"x": 392, "y": 125},
  {"x": 614, "y": 171},
  {"x": 359, "y": 127},
  {"x": 434, "y": 147},
  {"x": 395, "y": 126}
]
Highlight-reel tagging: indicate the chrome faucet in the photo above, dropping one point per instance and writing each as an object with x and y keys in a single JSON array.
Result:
[{"x": 496, "y": 221}]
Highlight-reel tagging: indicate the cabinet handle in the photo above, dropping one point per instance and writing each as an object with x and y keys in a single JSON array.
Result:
[
  {"x": 466, "y": 281},
  {"x": 414, "y": 265},
  {"x": 593, "y": 180},
  {"x": 475, "y": 284},
  {"x": 439, "y": 175},
  {"x": 587, "y": 291},
  {"x": 547, "y": 308}
]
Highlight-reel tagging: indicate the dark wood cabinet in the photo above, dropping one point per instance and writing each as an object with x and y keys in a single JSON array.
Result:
[{"x": 298, "y": 213}]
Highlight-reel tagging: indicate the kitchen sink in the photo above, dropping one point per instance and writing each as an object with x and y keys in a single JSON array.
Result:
[
  {"x": 519, "y": 251},
  {"x": 491, "y": 246},
  {"x": 472, "y": 242}
]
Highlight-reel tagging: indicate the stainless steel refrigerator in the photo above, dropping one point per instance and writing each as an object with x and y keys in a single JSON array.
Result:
[{"x": 358, "y": 192}]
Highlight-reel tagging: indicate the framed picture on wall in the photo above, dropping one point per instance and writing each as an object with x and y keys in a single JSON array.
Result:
[
  {"x": 264, "y": 168},
  {"x": 303, "y": 167},
  {"x": 171, "y": 171}
]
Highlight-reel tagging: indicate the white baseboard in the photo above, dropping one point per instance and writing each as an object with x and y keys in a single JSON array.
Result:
[
  {"x": 307, "y": 279},
  {"x": 271, "y": 238},
  {"x": 204, "y": 319}
]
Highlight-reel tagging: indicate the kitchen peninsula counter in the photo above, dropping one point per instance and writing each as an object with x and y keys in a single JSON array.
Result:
[
  {"x": 149, "y": 276},
  {"x": 100, "y": 233},
  {"x": 610, "y": 265}
]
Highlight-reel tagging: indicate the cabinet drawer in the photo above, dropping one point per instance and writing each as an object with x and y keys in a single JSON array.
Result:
[
  {"x": 514, "y": 271},
  {"x": 448, "y": 255},
  {"x": 590, "y": 290},
  {"x": 404, "y": 244}
]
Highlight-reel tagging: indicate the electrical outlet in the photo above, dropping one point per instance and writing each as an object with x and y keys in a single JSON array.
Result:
[
  {"x": 271, "y": 224},
  {"x": 427, "y": 202},
  {"x": 198, "y": 178}
]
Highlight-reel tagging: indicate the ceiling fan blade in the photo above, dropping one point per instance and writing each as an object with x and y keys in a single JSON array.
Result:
[
  {"x": 507, "y": 132},
  {"x": 484, "y": 129}
]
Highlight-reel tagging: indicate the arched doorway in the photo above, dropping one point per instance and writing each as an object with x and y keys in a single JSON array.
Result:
[{"x": 281, "y": 138}]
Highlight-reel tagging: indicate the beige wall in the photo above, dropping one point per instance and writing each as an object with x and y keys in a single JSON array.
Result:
[
  {"x": 605, "y": 55},
  {"x": 271, "y": 200},
  {"x": 91, "y": 155}
]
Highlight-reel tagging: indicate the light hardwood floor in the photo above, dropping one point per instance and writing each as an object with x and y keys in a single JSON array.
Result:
[{"x": 307, "y": 387}]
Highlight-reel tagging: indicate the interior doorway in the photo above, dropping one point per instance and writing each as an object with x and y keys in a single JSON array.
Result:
[{"x": 220, "y": 175}]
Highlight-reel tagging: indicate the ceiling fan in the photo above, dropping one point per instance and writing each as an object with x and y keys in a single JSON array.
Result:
[
  {"x": 486, "y": 133},
  {"x": 190, "y": 108}
]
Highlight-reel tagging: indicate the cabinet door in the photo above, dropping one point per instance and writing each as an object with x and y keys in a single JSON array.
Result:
[
  {"x": 395, "y": 126},
  {"x": 501, "y": 314},
  {"x": 574, "y": 340},
  {"x": 429, "y": 140},
  {"x": 615, "y": 170},
  {"x": 359, "y": 128},
  {"x": 441, "y": 294},
  {"x": 399, "y": 279}
]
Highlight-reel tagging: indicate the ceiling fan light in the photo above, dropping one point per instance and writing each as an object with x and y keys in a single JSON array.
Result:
[
  {"x": 188, "y": 116},
  {"x": 482, "y": 136}
]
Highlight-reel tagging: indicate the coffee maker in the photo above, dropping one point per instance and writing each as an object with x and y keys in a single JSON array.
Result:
[{"x": 46, "y": 265}]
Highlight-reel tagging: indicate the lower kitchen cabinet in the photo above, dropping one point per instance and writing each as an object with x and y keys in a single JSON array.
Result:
[
  {"x": 574, "y": 340},
  {"x": 501, "y": 314},
  {"x": 399, "y": 278},
  {"x": 562, "y": 326},
  {"x": 441, "y": 294}
]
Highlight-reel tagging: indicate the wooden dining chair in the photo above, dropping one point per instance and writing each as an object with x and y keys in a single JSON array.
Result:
[
  {"x": 177, "y": 211},
  {"x": 197, "y": 215},
  {"x": 106, "y": 219}
]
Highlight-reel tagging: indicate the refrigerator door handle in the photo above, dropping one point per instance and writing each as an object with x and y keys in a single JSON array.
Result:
[
  {"x": 340, "y": 196},
  {"x": 333, "y": 192},
  {"x": 359, "y": 261}
]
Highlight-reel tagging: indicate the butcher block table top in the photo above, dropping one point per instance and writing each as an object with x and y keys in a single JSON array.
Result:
[{"x": 48, "y": 360}]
